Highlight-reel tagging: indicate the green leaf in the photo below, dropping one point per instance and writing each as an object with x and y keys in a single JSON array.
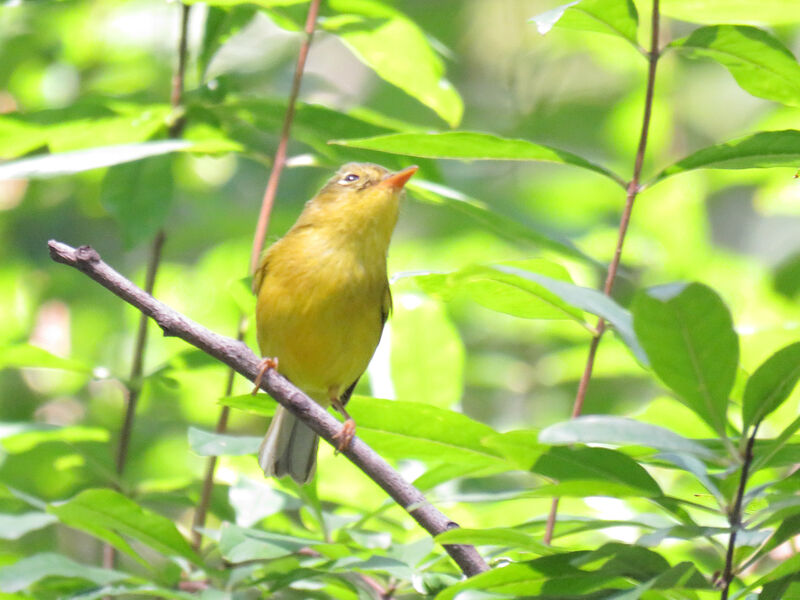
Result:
[
  {"x": 220, "y": 26},
  {"x": 206, "y": 443},
  {"x": 504, "y": 292},
  {"x": 603, "y": 429},
  {"x": 21, "y": 437},
  {"x": 240, "y": 544},
  {"x": 375, "y": 33},
  {"x": 427, "y": 354},
  {"x": 106, "y": 514},
  {"x": 696, "y": 467},
  {"x": 148, "y": 589},
  {"x": 758, "y": 61},
  {"x": 254, "y": 500},
  {"x": 13, "y": 527},
  {"x": 68, "y": 163},
  {"x": 139, "y": 195},
  {"x": 258, "y": 404},
  {"x": 770, "y": 12},
  {"x": 398, "y": 430},
  {"x": 764, "y": 456},
  {"x": 27, "y": 571},
  {"x": 688, "y": 335},
  {"x": 587, "y": 463},
  {"x": 770, "y": 385},
  {"x": 510, "y": 538},
  {"x": 758, "y": 151},
  {"x": 602, "y": 16},
  {"x": 514, "y": 229},
  {"x": 26, "y": 355},
  {"x": 786, "y": 277},
  {"x": 520, "y": 447},
  {"x": 583, "y": 488},
  {"x": 468, "y": 145},
  {"x": 590, "y": 300}
]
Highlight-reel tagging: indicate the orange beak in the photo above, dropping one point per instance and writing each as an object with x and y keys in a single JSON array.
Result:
[{"x": 399, "y": 179}]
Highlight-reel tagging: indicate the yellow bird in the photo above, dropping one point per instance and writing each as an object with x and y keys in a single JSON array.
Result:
[{"x": 323, "y": 297}]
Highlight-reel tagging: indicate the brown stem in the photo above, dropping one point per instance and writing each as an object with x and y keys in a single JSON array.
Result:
[
  {"x": 267, "y": 203},
  {"x": 633, "y": 189},
  {"x": 735, "y": 516},
  {"x": 135, "y": 379},
  {"x": 239, "y": 357},
  {"x": 280, "y": 153}
]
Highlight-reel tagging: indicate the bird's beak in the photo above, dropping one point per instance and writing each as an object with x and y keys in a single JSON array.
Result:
[{"x": 397, "y": 180}]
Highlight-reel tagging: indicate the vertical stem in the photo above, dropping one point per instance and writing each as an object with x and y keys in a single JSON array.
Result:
[
  {"x": 735, "y": 516},
  {"x": 633, "y": 189},
  {"x": 156, "y": 246},
  {"x": 267, "y": 203}
]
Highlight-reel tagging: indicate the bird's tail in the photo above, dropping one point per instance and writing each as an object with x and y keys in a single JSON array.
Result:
[{"x": 289, "y": 448}]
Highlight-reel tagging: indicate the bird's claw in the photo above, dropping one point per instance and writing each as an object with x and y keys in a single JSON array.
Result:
[
  {"x": 265, "y": 365},
  {"x": 345, "y": 436}
]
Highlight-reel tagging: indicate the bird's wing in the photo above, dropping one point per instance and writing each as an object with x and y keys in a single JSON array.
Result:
[
  {"x": 386, "y": 306},
  {"x": 261, "y": 271}
]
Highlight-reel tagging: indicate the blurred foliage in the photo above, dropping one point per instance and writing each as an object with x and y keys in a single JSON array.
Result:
[{"x": 524, "y": 118}]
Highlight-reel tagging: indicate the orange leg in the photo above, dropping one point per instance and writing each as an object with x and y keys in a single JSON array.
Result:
[
  {"x": 348, "y": 431},
  {"x": 266, "y": 365}
]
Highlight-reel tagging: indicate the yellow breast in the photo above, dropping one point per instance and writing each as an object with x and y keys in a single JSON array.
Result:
[{"x": 320, "y": 310}]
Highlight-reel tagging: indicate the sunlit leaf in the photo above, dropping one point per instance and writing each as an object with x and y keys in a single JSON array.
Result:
[
  {"x": 770, "y": 385},
  {"x": 13, "y": 527},
  {"x": 603, "y": 16},
  {"x": 687, "y": 332},
  {"x": 239, "y": 544},
  {"x": 67, "y": 163},
  {"x": 757, "y": 151},
  {"x": 22, "y": 437},
  {"x": 427, "y": 354},
  {"x": 106, "y": 513},
  {"x": 510, "y": 538},
  {"x": 759, "y": 62},
  {"x": 607, "y": 429},
  {"x": 374, "y": 32},
  {"x": 26, "y": 355},
  {"x": 27, "y": 571},
  {"x": 469, "y": 145},
  {"x": 259, "y": 404}
]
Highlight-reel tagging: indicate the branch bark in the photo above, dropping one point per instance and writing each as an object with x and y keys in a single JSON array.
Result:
[
  {"x": 633, "y": 189},
  {"x": 240, "y": 358}
]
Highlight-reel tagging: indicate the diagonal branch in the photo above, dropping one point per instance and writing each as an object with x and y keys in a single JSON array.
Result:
[{"x": 239, "y": 357}]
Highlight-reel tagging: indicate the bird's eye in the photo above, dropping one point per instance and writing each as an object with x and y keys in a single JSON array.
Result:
[{"x": 350, "y": 178}]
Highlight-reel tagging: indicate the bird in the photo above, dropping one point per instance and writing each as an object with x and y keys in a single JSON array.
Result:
[{"x": 322, "y": 300}]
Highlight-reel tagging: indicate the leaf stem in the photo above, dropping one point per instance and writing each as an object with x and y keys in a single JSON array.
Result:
[
  {"x": 267, "y": 203},
  {"x": 735, "y": 516},
  {"x": 633, "y": 189}
]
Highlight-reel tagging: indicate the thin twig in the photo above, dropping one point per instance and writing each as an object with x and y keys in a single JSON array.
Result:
[
  {"x": 238, "y": 356},
  {"x": 633, "y": 190},
  {"x": 267, "y": 203},
  {"x": 280, "y": 153},
  {"x": 134, "y": 381},
  {"x": 735, "y": 516}
]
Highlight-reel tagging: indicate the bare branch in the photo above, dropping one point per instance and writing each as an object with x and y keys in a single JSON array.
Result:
[{"x": 239, "y": 357}]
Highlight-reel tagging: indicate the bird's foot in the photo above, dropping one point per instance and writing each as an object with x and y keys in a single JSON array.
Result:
[
  {"x": 345, "y": 435},
  {"x": 265, "y": 365}
]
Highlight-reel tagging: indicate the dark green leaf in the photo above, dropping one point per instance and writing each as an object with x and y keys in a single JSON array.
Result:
[
  {"x": 584, "y": 463},
  {"x": 688, "y": 335},
  {"x": 106, "y": 514},
  {"x": 68, "y": 163},
  {"x": 468, "y": 145},
  {"x": 771, "y": 385},
  {"x": 13, "y": 527},
  {"x": 139, "y": 195},
  {"x": 786, "y": 279},
  {"x": 760, "y": 150},
  {"x": 370, "y": 28},
  {"x": 603, "y": 16},
  {"x": 29, "y": 570},
  {"x": 603, "y": 429},
  {"x": 206, "y": 443}
]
